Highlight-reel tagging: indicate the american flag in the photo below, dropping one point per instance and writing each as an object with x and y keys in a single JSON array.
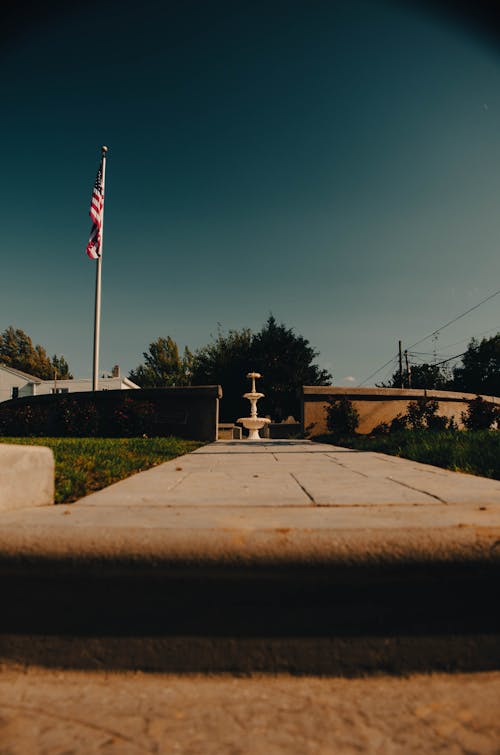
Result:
[{"x": 96, "y": 212}]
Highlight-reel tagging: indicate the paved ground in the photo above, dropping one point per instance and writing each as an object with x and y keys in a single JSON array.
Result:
[
  {"x": 235, "y": 506},
  {"x": 69, "y": 713},
  {"x": 294, "y": 474},
  {"x": 288, "y": 499}
]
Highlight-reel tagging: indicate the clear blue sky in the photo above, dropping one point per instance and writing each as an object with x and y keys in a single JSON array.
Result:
[{"x": 334, "y": 163}]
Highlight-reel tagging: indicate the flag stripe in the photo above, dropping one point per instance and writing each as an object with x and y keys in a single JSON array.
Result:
[{"x": 96, "y": 213}]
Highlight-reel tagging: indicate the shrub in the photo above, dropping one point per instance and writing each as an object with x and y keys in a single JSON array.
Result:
[
  {"x": 133, "y": 418},
  {"x": 480, "y": 414},
  {"x": 383, "y": 428},
  {"x": 342, "y": 418},
  {"x": 77, "y": 419},
  {"x": 437, "y": 422},
  {"x": 24, "y": 420},
  {"x": 398, "y": 423},
  {"x": 154, "y": 412},
  {"x": 422, "y": 414},
  {"x": 473, "y": 451}
]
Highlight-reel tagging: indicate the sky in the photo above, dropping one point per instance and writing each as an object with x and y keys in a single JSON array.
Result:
[{"x": 334, "y": 163}]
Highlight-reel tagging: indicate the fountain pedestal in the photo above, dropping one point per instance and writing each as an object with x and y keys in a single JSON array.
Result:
[{"x": 253, "y": 423}]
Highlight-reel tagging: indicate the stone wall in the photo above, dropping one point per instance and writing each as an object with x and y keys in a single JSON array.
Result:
[{"x": 376, "y": 405}]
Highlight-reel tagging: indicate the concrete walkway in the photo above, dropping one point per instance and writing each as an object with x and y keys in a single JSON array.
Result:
[
  {"x": 267, "y": 557},
  {"x": 282, "y": 555},
  {"x": 305, "y": 499}
]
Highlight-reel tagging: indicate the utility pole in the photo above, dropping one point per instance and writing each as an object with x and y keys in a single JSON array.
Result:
[
  {"x": 401, "y": 383},
  {"x": 408, "y": 368}
]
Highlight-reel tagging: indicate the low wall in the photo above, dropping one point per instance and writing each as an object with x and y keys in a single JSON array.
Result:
[
  {"x": 26, "y": 476},
  {"x": 376, "y": 405},
  {"x": 188, "y": 412},
  {"x": 282, "y": 430}
]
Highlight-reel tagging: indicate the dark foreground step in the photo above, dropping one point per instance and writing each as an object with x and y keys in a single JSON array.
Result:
[{"x": 315, "y": 618}]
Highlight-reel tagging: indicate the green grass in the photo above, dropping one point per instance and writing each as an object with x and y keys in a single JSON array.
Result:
[
  {"x": 474, "y": 451},
  {"x": 84, "y": 465}
]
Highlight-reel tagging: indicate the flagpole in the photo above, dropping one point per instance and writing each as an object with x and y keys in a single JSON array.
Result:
[{"x": 97, "y": 316}]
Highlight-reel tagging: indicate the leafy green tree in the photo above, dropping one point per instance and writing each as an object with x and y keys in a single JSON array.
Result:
[
  {"x": 480, "y": 368},
  {"x": 163, "y": 365},
  {"x": 17, "y": 351},
  {"x": 284, "y": 359}
]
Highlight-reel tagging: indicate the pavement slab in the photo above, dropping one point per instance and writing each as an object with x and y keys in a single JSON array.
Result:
[
  {"x": 299, "y": 495},
  {"x": 260, "y": 556},
  {"x": 85, "y": 713}
]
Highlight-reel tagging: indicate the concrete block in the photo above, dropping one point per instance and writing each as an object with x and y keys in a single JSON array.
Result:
[
  {"x": 228, "y": 431},
  {"x": 26, "y": 476}
]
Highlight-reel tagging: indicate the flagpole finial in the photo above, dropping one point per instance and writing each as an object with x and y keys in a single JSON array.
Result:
[{"x": 104, "y": 149}]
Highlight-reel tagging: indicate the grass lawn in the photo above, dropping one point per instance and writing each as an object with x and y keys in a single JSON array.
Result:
[
  {"x": 84, "y": 465},
  {"x": 473, "y": 451}
]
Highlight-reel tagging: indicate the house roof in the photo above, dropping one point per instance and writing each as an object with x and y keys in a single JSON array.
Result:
[
  {"x": 32, "y": 379},
  {"x": 129, "y": 382},
  {"x": 109, "y": 380},
  {"x": 25, "y": 375}
]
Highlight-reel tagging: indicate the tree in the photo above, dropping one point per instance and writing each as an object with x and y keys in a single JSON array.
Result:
[
  {"x": 225, "y": 362},
  {"x": 422, "y": 376},
  {"x": 284, "y": 359},
  {"x": 61, "y": 368},
  {"x": 17, "y": 351},
  {"x": 163, "y": 366},
  {"x": 480, "y": 368}
]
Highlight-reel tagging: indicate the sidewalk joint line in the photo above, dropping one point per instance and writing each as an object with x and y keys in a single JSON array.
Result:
[
  {"x": 344, "y": 466},
  {"x": 418, "y": 490},
  {"x": 178, "y": 481},
  {"x": 303, "y": 488}
]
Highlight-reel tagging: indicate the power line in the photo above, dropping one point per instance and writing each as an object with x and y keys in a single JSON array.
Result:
[
  {"x": 392, "y": 359},
  {"x": 435, "y": 333},
  {"x": 458, "y": 317},
  {"x": 450, "y": 359},
  {"x": 420, "y": 354},
  {"x": 469, "y": 338},
  {"x": 424, "y": 358},
  {"x": 389, "y": 372}
]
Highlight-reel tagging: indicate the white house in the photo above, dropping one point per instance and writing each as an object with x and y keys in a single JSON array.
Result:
[{"x": 17, "y": 384}]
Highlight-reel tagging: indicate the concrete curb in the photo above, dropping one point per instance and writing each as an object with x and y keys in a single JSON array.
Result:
[
  {"x": 167, "y": 544},
  {"x": 283, "y": 556},
  {"x": 26, "y": 476}
]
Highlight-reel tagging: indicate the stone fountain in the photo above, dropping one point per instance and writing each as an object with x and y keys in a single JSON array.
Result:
[{"x": 253, "y": 423}]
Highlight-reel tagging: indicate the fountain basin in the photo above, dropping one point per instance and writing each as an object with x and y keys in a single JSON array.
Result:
[{"x": 253, "y": 425}]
